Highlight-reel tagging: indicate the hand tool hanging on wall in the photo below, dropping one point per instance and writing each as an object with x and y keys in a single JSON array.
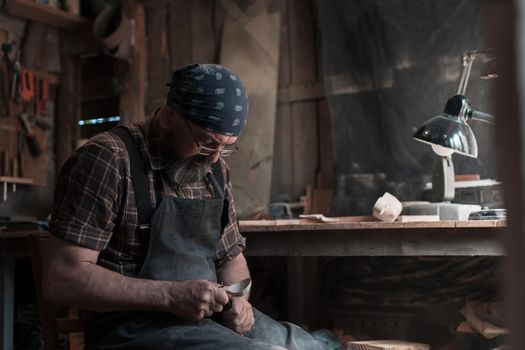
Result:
[
  {"x": 4, "y": 163},
  {"x": 27, "y": 93},
  {"x": 6, "y": 67},
  {"x": 28, "y": 136},
  {"x": 43, "y": 97},
  {"x": 4, "y": 90},
  {"x": 17, "y": 67}
]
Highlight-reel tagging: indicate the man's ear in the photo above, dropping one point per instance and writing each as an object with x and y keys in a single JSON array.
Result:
[{"x": 166, "y": 117}]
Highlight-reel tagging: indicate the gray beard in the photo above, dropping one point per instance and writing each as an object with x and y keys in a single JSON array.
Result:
[{"x": 185, "y": 171}]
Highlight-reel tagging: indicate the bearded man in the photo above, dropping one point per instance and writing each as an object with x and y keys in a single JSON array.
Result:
[{"x": 144, "y": 230}]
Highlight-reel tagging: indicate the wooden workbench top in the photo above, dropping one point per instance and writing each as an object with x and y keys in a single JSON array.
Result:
[{"x": 358, "y": 223}]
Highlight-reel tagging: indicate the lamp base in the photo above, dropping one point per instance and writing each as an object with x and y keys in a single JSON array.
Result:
[{"x": 445, "y": 210}]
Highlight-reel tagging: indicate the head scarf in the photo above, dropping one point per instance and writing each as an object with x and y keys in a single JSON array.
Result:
[{"x": 211, "y": 96}]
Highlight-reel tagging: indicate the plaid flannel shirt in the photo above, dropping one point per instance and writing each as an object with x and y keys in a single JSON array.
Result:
[{"x": 94, "y": 204}]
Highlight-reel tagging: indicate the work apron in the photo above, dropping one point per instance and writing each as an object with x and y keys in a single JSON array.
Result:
[{"x": 184, "y": 235}]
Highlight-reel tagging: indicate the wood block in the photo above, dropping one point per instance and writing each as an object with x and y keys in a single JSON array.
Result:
[
  {"x": 281, "y": 222},
  {"x": 386, "y": 345},
  {"x": 467, "y": 177},
  {"x": 418, "y": 218}
]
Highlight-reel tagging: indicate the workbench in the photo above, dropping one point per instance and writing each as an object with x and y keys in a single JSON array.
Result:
[
  {"x": 302, "y": 241},
  {"x": 350, "y": 236},
  {"x": 365, "y": 236}
]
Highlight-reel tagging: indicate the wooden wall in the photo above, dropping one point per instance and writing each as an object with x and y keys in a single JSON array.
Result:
[
  {"x": 39, "y": 53},
  {"x": 180, "y": 32}
]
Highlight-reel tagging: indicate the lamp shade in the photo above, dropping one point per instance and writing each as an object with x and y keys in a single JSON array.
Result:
[{"x": 447, "y": 132}]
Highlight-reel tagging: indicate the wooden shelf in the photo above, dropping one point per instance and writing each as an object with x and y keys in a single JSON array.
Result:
[
  {"x": 33, "y": 11},
  {"x": 16, "y": 180}
]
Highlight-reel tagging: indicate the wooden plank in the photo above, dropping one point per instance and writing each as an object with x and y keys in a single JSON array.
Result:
[
  {"x": 77, "y": 41},
  {"x": 202, "y": 37},
  {"x": 321, "y": 200},
  {"x": 305, "y": 146},
  {"x": 16, "y": 180},
  {"x": 302, "y": 39},
  {"x": 132, "y": 104},
  {"x": 179, "y": 34},
  {"x": 284, "y": 45},
  {"x": 3, "y": 36},
  {"x": 41, "y": 47},
  {"x": 68, "y": 109},
  {"x": 360, "y": 223},
  {"x": 48, "y": 15},
  {"x": 326, "y": 159},
  {"x": 158, "y": 54},
  {"x": 262, "y": 36},
  {"x": 301, "y": 92},
  {"x": 417, "y": 218},
  {"x": 257, "y": 65},
  {"x": 304, "y": 114},
  {"x": 282, "y": 172}
]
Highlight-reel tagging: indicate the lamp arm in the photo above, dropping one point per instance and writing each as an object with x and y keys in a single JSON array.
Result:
[
  {"x": 482, "y": 117},
  {"x": 466, "y": 67}
]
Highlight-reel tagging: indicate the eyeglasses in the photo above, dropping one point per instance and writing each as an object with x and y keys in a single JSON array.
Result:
[{"x": 212, "y": 147}]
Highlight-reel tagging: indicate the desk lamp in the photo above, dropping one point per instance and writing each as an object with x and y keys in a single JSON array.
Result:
[{"x": 449, "y": 133}]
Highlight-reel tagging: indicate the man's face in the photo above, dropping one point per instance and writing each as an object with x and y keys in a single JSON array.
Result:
[{"x": 204, "y": 148}]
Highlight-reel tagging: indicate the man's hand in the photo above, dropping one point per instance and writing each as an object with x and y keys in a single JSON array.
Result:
[
  {"x": 193, "y": 300},
  {"x": 240, "y": 316}
]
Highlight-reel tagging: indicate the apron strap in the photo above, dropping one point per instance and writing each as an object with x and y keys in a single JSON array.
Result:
[
  {"x": 217, "y": 181},
  {"x": 145, "y": 208}
]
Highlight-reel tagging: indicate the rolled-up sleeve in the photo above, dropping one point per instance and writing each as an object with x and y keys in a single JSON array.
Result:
[
  {"x": 232, "y": 243},
  {"x": 85, "y": 200}
]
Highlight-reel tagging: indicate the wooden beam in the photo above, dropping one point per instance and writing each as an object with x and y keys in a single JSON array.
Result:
[
  {"x": 301, "y": 92},
  {"x": 304, "y": 114},
  {"x": 179, "y": 34},
  {"x": 326, "y": 160},
  {"x": 132, "y": 105},
  {"x": 202, "y": 37},
  {"x": 68, "y": 109},
  {"x": 46, "y": 14},
  {"x": 282, "y": 172},
  {"x": 158, "y": 72},
  {"x": 505, "y": 35},
  {"x": 16, "y": 180}
]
